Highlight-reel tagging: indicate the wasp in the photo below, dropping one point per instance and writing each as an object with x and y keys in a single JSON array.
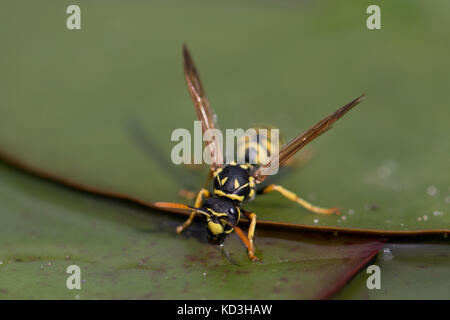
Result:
[{"x": 234, "y": 184}]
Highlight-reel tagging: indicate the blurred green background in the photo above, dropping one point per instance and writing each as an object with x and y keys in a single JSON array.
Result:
[{"x": 68, "y": 98}]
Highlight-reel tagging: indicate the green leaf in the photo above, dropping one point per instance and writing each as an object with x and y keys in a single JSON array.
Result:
[
  {"x": 129, "y": 252},
  {"x": 408, "y": 271},
  {"x": 68, "y": 98}
]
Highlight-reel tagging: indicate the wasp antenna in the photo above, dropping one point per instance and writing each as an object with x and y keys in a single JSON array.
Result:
[
  {"x": 201, "y": 212},
  {"x": 172, "y": 205}
]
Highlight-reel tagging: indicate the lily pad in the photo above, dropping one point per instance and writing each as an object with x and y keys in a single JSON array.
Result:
[
  {"x": 408, "y": 271},
  {"x": 130, "y": 252},
  {"x": 67, "y": 98}
]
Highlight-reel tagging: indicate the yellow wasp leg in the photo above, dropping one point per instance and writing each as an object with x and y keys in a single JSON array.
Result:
[
  {"x": 198, "y": 201},
  {"x": 250, "y": 249},
  {"x": 251, "y": 232},
  {"x": 293, "y": 197}
]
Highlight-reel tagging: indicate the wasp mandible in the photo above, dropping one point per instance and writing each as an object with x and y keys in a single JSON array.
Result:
[{"x": 237, "y": 183}]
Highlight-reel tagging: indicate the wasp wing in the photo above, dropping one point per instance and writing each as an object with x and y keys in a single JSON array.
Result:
[
  {"x": 304, "y": 138},
  {"x": 204, "y": 112}
]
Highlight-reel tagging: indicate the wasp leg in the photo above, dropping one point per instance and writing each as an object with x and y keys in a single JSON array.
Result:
[
  {"x": 247, "y": 243},
  {"x": 293, "y": 197},
  {"x": 198, "y": 201},
  {"x": 251, "y": 228}
]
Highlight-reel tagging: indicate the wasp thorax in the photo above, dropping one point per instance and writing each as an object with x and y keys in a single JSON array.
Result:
[
  {"x": 221, "y": 217},
  {"x": 234, "y": 181}
]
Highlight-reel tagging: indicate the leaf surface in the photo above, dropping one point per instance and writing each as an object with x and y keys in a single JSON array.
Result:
[
  {"x": 130, "y": 252},
  {"x": 70, "y": 99}
]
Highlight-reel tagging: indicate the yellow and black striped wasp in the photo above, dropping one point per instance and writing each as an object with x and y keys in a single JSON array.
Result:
[{"x": 237, "y": 183}]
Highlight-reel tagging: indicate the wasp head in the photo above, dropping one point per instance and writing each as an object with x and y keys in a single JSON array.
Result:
[{"x": 222, "y": 215}]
